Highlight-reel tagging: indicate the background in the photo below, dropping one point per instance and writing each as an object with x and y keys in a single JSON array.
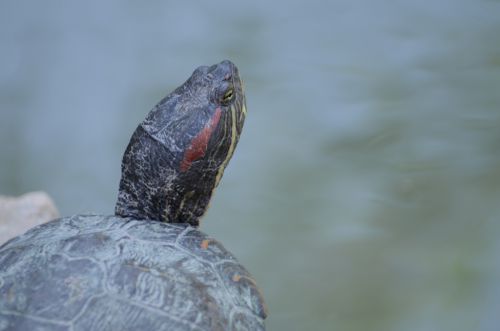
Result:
[{"x": 365, "y": 191}]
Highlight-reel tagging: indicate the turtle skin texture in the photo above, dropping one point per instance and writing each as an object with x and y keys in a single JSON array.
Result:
[{"x": 91, "y": 272}]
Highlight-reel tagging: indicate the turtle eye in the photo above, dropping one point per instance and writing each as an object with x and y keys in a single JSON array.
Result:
[{"x": 228, "y": 96}]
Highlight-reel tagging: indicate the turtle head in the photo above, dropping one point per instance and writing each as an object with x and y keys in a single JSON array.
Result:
[{"x": 177, "y": 155}]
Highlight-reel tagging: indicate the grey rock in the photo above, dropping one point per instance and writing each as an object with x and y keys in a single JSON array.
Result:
[{"x": 18, "y": 214}]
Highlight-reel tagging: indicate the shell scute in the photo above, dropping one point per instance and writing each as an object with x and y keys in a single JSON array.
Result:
[{"x": 200, "y": 245}]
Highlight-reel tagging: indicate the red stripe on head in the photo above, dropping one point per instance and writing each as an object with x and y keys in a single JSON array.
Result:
[{"x": 198, "y": 146}]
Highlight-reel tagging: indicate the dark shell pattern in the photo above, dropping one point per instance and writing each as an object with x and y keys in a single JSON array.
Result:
[{"x": 113, "y": 273}]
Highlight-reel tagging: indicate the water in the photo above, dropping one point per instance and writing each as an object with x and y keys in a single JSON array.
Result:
[{"x": 364, "y": 192}]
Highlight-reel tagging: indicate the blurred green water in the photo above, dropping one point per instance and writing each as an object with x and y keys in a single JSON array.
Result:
[{"x": 364, "y": 194}]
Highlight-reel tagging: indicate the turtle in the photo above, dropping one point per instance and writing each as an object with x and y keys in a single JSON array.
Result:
[{"x": 148, "y": 266}]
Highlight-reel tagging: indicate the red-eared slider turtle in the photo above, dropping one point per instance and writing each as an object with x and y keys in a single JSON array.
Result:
[{"x": 147, "y": 267}]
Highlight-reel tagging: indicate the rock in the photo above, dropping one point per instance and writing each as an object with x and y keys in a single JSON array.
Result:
[{"x": 18, "y": 214}]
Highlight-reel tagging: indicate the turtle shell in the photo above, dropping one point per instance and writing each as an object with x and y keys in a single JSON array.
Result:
[{"x": 91, "y": 272}]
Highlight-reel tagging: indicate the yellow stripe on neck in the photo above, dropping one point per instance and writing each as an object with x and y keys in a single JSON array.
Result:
[{"x": 231, "y": 147}]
